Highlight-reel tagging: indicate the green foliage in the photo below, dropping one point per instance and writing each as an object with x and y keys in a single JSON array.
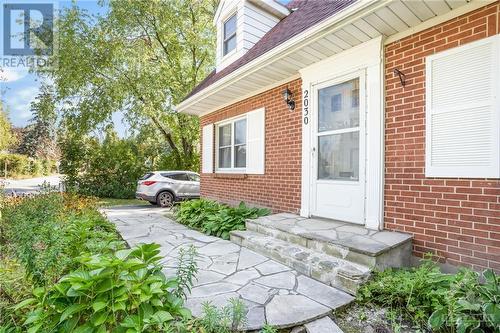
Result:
[
  {"x": 45, "y": 236},
  {"x": 469, "y": 305},
  {"x": 227, "y": 319},
  {"x": 39, "y": 137},
  {"x": 269, "y": 329},
  {"x": 443, "y": 302},
  {"x": 108, "y": 169},
  {"x": 186, "y": 271},
  {"x": 122, "y": 291},
  {"x": 7, "y": 138},
  {"x": 15, "y": 286},
  {"x": 118, "y": 62},
  {"x": 21, "y": 165},
  {"x": 214, "y": 218}
]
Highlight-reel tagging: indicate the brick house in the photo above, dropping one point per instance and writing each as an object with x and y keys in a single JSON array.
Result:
[{"x": 383, "y": 114}]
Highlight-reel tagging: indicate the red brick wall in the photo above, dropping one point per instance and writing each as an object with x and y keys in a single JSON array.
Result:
[
  {"x": 457, "y": 219},
  {"x": 279, "y": 187}
]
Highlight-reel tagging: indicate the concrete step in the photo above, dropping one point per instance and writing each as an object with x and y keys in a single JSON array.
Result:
[
  {"x": 354, "y": 243},
  {"x": 328, "y": 269}
]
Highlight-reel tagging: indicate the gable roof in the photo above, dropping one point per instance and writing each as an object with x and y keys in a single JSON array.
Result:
[{"x": 306, "y": 14}]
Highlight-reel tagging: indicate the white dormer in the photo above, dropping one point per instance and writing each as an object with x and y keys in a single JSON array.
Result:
[{"x": 242, "y": 23}]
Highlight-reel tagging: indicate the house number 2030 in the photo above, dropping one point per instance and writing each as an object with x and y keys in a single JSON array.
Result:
[{"x": 306, "y": 107}]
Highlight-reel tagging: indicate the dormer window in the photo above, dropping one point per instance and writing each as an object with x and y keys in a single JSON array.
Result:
[{"x": 229, "y": 34}]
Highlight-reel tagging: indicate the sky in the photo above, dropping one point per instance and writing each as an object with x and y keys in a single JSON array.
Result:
[{"x": 19, "y": 88}]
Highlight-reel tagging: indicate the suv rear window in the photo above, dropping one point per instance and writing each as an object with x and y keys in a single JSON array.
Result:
[
  {"x": 176, "y": 176},
  {"x": 146, "y": 176}
]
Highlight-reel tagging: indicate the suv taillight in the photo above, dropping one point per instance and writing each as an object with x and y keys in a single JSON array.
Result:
[{"x": 148, "y": 182}]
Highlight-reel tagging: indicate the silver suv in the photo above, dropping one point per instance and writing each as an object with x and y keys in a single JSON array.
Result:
[{"x": 163, "y": 188}]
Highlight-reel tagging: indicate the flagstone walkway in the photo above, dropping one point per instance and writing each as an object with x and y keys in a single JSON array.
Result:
[{"x": 273, "y": 293}]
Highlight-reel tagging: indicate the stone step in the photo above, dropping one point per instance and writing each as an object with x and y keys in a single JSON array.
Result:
[
  {"x": 323, "y": 325},
  {"x": 354, "y": 243},
  {"x": 330, "y": 270}
]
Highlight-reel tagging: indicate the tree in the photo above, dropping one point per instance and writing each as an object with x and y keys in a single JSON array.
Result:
[
  {"x": 39, "y": 137},
  {"x": 7, "y": 137},
  {"x": 142, "y": 58}
]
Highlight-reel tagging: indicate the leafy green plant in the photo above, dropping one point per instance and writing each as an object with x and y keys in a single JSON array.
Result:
[
  {"x": 123, "y": 291},
  {"x": 186, "y": 271},
  {"x": 431, "y": 299},
  {"x": 470, "y": 306},
  {"x": 269, "y": 329},
  {"x": 216, "y": 219},
  {"x": 14, "y": 287},
  {"x": 227, "y": 319},
  {"x": 46, "y": 235}
]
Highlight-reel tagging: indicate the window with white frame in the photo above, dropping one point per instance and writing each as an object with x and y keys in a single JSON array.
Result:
[
  {"x": 229, "y": 35},
  {"x": 463, "y": 111},
  {"x": 232, "y": 144}
]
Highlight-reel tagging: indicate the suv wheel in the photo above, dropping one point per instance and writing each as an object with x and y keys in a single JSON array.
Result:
[{"x": 165, "y": 199}]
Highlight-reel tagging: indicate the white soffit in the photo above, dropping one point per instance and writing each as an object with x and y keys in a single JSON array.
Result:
[{"x": 364, "y": 20}]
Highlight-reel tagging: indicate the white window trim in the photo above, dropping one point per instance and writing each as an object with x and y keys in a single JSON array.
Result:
[
  {"x": 465, "y": 171},
  {"x": 222, "y": 27},
  {"x": 231, "y": 121}
]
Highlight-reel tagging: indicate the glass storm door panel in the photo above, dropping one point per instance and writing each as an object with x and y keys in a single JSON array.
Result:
[{"x": 338, "y": 180}]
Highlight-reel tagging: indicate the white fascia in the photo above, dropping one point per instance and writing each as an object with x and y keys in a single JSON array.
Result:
[{"x": 346, "y": 16}]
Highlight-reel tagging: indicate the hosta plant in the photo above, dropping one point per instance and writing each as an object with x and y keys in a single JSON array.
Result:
[
  {"x": 470, "y": 306},
  {"x": 216, "y": 219},
  {"x": 122, "y": 291}
]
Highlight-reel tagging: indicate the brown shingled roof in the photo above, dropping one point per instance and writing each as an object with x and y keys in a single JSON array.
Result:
[{"x": 307, "y": 14}]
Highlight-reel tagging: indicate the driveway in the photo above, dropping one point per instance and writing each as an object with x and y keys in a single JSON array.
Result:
[
  {"x": 273, "y": 293},
  {"x": 30, "y": 185}
]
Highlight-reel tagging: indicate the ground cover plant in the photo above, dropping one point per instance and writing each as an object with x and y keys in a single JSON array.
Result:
[
  {"x": 63, "y": 268},
  {"x": 465, "y": 302},
  {"x": 214, "y": 218}
]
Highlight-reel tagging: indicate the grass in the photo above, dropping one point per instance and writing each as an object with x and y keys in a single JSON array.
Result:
[{"x": 108, "y": 202}]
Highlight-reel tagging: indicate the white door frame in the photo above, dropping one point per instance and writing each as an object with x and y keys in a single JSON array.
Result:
[{"x": 366, "y": 57}]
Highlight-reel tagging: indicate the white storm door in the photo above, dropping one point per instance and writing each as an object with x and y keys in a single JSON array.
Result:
[{"x": 338, "y": 138}]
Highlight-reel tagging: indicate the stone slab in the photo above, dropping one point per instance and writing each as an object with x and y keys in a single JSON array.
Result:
[
  {"x": 323, "y": 325},
  {"x": 269, "y": 289}
]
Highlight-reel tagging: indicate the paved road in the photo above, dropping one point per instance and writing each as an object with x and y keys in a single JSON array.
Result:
[
  {"x": 273, "y": 293},
  {"x": 30, "y": 185}
]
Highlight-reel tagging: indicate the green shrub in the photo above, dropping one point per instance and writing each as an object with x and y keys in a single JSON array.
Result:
[
  {"x": 214, "y": 218},
  {"x": 431, "y": 299},
  {"x": 46, "y": 236},
  {"x": 22, "y": 165},
  {"x": 122, "y": 291},
  {"x": 14, "y": 287}
]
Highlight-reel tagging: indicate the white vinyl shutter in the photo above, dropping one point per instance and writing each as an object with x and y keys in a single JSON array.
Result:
[
  {"x": 207, "y": 151},
  {"x": 256, "y": 131},
  {"x": 462, "y": 111}
]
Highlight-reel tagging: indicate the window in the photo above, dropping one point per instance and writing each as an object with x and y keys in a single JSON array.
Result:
[
  {"x": 229, "y": 40},
  {"x": 177, "y": 176},
  {"x": 462, "y": 111},
  {"x": 232, "y": 144},
  {"x": 194, "y": 177},
  {"x": 146, "y": 176}
]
